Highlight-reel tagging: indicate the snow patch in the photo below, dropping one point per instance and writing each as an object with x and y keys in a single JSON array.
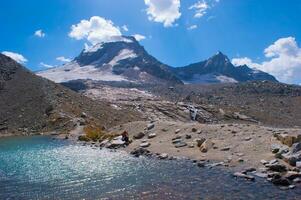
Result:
[
  {"x": 72, "y": 71},
  {"x": 123, "y": 54},
  {"x": 226, "y": 79}
]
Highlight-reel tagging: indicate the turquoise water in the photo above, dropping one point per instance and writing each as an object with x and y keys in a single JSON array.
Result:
[{"x": 42, "y": 168}]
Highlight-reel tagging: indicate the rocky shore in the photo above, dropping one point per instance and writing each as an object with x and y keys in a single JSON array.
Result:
[{"x": 248, "y": 151}]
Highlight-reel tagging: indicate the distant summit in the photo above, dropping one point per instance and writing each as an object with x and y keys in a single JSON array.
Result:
[
  {"x": 123, "y": 60},
  {"x": 219, "y": 69}
]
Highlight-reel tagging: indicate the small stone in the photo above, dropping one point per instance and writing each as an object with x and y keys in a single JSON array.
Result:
[
  {"x": 297, "y": 180},
  {"x": 201, "y": 164},
  {"x": 181, "y": 144},
  {"x": 261, "y": 175},
  {"x": 291, "y": 186},
  {"x": 240, "y": 160},
  {"x": 240, "y": 154},
  {"x": 188, "y": 136},
  {"x": 150, "y": 126},
  {"x": 145, "y": 144},
  {"x": 248, "y": 138},
  {"x": 177, "y": 131},
  {"x": 241, "y": 175},
  {"x": 298, "y": 164},
  {"x": 225, "y": 149},
  {"x": 163, "y": 156},
  {"x": 139, "y": 135},
  {"x": 275, "y": 148},
  {"x": 177, "y": 141},
  {"x": 152, "y": 135},
  {"x": 194, "y": 129}
]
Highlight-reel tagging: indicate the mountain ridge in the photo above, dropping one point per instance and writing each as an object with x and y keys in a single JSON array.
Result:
[{"x": 128, "y": 61}]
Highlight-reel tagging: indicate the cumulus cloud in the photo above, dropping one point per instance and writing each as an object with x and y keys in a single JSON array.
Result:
[
  {"x": 39, "y": 33},
  {"x": 46, "y": 65},
  {"x": 163, "y": 11},
  {"x": 200, "y": 8},
  {"x": 15, "y": 56},
  {"x": 283, "y": 60},
  {"x": 63, "y": 59},
  {"x": 95, "y": 30},
  {"x": 192, "y": 27},
  {"x": 139, "y": 37}
]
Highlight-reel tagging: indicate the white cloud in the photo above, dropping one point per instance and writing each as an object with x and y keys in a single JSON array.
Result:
[
  {"x": 95, "y": 30},
  {"x": 39, "y": 33},
  {"x": 245, "y": 61},
  {"x": 192, "y": 27},
  {"x": 139, "y": 37},
  {"x": 163, "y": 11},
  {"x": 15, "y": 56},
  {"x": 283, "y": 60},
  {"x": 200, "y": 8},
  {"x": 125, "y": 28},
  {"x": 63, "y": 59},
  {"x": 46, "y": 65}
]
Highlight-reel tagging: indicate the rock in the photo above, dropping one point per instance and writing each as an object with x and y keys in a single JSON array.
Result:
[
  {"x": 296, "y": 147},
  {"x": 277, "y": 167},
  {"x": 292, "y": 159},
  {"x": 83, "y": 115},
  {"x": 152, "y": 135},
  {"x": 225, "y": 148},
  {"x": 201, "y": 164},
  {"x": 297, "y": 180},
  {"x": 191, "y": 145},
  {"x": 140, "y": 151},
  {"x": 163, "y": 156},
  {"x": 288, "y": 139},
  {"x": 251, "y": 169},
  {"x": 177, "y": 131},
  {"x": 180, "y": 144},
  {"x": 199, "y": 141},
  {"x": 240, "y": 160},
  {"x": 188, "y": 136},
  {"x": 139, "y": 135},
  {"x": 177, "y": 137},
  {"x": 150, "y": 126},
  {"x": 177, "y": 141},
  {"x": 275, "y": 148},
  {"x": 115, "y": 143},
  {"x": 264, "y": 162},
  {"x": 298, "y": 164},
  {"x": 291, "y": 186},
  {"x": 194, "y": 129},
  {"x": 291, "y": 175},
  {"x": 261, "y": 175},
  {"x": 208, "y": 144},
  {"x": 273, "y": 161},
  {"x": 145, "y": 144},
  {"x": 280, "y": 181},
  {"x": 248, "y": 138},
  {"x": 241, "y": 175}
]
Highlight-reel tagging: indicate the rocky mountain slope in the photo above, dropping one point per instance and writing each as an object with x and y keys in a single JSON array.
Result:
[
  {"x": 121, "y": 61},
  {"x": 219, "y": 69},
  {"x": 31, "y": 104}
]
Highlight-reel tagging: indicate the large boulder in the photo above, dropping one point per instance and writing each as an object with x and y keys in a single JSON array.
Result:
[
  {"x": 208, "y": 144},
  {"x": 288, "y": 139}
]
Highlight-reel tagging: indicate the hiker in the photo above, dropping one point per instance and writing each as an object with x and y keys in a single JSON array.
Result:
[{"x": 125, "y": 137}]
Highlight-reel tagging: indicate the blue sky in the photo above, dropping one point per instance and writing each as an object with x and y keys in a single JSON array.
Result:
[{"x": 265, "y": 34}]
